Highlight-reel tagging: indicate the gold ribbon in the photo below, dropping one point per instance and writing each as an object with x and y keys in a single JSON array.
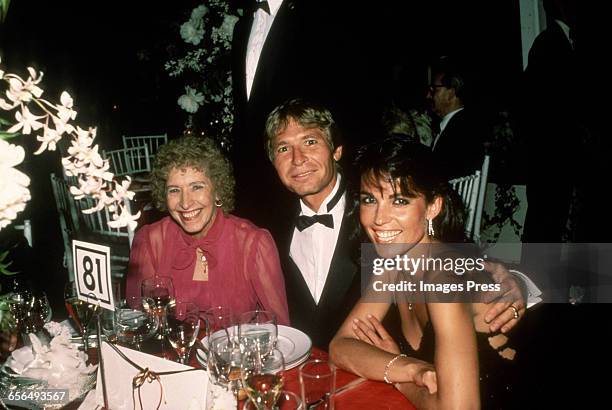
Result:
[
  {"x": 143, "y": 376},
  {"x": 149, "y": 376}
]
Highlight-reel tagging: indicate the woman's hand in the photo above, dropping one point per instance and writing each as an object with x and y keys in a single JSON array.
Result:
[
  {"x": 425, "y": 376},
  {"x": 374, "y": 333}
]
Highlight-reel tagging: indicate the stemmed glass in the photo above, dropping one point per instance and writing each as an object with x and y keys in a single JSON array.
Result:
[
  {"x": 258, "y": 327},
  {"x": 79, "y": 311},
  {"x": 161, "y": 290},
  {"x": 31, "y": 310},
  {"x": 262, "y": 376},
  {"x": 224, "y": 360},
  {"x": 182, "y": 327},
  {"x": 136, "y": 321}
]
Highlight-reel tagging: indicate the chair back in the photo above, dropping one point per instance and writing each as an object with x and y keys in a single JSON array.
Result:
[
  {"x": 68, "y": 217},
  {"x": 152, "y": 142},
  {"x": 472, "y": 189},
  {"x": 128, "y": 161},
  {"x": 97, "y": 222}
]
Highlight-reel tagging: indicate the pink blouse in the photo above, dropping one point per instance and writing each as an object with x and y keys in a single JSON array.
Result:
[{"x": 244, "y": 270}]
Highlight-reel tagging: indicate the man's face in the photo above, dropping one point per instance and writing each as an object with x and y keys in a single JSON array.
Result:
[
  {"x": 439, "y": 97},
  {"x": 305, "y": 163}
]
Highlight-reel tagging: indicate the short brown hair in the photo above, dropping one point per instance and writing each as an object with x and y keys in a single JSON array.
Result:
[
  {"x": 201, "y": 154},
  {"x": 306, "y": 114}
]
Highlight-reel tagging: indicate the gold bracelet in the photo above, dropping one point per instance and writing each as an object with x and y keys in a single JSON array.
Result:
[{"x": 388, "y": 366}]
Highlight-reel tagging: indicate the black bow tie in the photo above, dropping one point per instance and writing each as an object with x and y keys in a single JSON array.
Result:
[
  {"x": 261, "y": 5},
  {"x": 302, "y": 222}
]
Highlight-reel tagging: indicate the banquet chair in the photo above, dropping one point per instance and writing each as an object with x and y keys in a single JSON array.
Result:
[
  {"x": 472, "y": 188},
  {"x": 152, "y": 142},
  {"x": 68, "y": 217},
  {"x": 128, "y": 161},
  {"x": 90, "y": 227},
  {"x": 26, "y": 227}
]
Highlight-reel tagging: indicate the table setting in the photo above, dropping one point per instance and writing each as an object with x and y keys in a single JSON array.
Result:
[{"x": 156, "y": 352}]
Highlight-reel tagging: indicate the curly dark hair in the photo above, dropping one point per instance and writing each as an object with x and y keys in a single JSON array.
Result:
[
  {"x": 202, "y": 154},
  {"x": 418, "y": 172}
]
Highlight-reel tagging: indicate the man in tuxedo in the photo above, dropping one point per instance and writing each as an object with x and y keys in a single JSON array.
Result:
[
  {"x": 459, "y": 141},
  {"x": 319, "y": 248},
  {"x": 284, "y": 49}
]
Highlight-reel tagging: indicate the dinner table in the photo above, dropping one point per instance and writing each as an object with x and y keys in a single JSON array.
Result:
[{"x": 360, "y": 393}]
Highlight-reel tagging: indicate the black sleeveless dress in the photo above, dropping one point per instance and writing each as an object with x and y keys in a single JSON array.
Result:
[{"x": 500, "y": 381}]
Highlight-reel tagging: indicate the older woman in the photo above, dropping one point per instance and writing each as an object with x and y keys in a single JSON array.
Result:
[
  {"x": 213, "y": 258},
  {"x": 406, "y": 208}
]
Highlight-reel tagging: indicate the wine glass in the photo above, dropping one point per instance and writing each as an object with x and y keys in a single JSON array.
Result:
[
  {"x": 258, "y": 327},
  {"x": 79, "y": 311},
  {"x": 262, "y": 376},
  {"x": 136, "y": 321},
  {"x": 286, "y": 401},
  {"x": 161, "y": 290},
  {"x": 224, "y": 360},
  {"x": 182, "y": 327}
]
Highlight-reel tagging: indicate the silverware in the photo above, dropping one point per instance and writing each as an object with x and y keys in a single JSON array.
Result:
[{"x": 343, "y": 389}]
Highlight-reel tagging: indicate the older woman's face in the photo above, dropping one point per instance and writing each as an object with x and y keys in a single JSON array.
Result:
[
  {"x": 390, "y": 217},
  {"x": 190, "y": 198}
]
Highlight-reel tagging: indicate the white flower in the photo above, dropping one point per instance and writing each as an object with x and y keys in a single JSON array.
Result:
[
  {"x": 191, "y": 100},
  {"x": 125, "y": 218},
  {"x": 65, "y": 111},
  {"x": 14, "y": 193},
  {"x": 192, "y": 32},
  {"x": 49, "y": 138},
  {"x": 227, "y": 27},
  {"x": 199, "y": 12},
  {"x": 26, "y": 121}
]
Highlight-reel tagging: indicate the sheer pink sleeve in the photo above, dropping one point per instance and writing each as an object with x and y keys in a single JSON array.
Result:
[
  {"x": 142, "y": 263},
  {"x": 265, "y": 274}
]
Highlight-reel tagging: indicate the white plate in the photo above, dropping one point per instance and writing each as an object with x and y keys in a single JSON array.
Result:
[{"x": 294, "y": 344}]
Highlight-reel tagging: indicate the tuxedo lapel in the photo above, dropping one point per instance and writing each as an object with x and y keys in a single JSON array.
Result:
[{"x": 342, "y": 269}]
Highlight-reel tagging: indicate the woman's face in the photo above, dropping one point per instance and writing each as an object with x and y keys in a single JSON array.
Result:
[
  {"x": 390, "y": 217},
  {"x": 190, "y": 198}
]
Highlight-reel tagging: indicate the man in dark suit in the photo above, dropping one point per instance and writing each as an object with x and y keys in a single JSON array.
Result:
[
  {"x": 319, "y": 245},
  {"x": 285, "y": 49},
  {"x": 459, "y": 142}
]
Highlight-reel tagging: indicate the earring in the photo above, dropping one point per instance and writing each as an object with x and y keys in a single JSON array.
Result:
[
  {"x": 218, "y": 202},
  {"x": 430, "y": 229}
]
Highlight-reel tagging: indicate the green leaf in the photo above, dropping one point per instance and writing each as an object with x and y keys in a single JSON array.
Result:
[
  {"x": 8, "y": 135},
  {"x": 4, "y": 4}
]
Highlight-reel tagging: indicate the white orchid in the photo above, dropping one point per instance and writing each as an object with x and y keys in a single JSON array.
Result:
[
  {"x": 83, "y": 160},
  {"x": 125, "y": 218},
  {"x": 199, "y": 12}
]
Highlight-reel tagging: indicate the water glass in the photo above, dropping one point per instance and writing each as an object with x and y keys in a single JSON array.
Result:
[
  {"x": 136, "y": 321},
  {"x": 318, "y": 384},
  {"x": 258, "y": 328}
]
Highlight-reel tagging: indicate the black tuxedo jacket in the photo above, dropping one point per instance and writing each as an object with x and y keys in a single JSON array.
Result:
[
  {"x": 316, "y": 51},
  {"x": 341, "y": 291},
  {"x": 460, "y": 148}
]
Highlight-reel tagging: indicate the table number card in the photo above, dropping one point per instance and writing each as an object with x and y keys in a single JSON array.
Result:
[{"x": 93, "y": 273}]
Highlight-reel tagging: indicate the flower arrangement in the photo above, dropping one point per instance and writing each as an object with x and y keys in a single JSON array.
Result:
[
  {"x": 204, "y": 60},
  {"x": 34, "y": 114}
]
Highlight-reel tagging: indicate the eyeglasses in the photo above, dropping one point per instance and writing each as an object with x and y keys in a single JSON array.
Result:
[{"x": 432, "y": 87}]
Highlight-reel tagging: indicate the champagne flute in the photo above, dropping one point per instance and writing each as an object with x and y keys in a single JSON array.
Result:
[
  {"x": 161, "y": 290},
  {"x": 79, "y": 311},
  {"x": 182, "y": 327},
  {"x": 262, "y": 376}
]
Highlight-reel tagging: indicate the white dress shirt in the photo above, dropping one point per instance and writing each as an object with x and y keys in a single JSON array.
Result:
[
  {"x": 443, "y": 125},
  {"x": 262, "y": 22},
  {"x": 313, "y": 248}
]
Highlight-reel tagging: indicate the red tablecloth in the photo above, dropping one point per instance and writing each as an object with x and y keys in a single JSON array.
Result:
[{"x": 369, "y": 395}]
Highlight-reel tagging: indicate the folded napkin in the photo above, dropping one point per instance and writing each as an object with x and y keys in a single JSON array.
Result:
[{"x": 184, "y": 388}]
